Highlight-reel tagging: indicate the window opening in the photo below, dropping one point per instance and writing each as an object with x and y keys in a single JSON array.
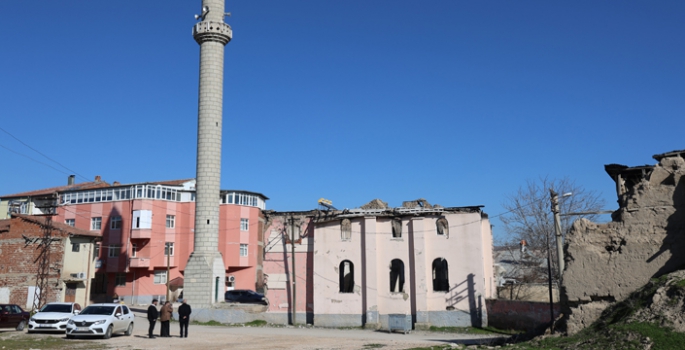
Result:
[
  {"x": 396, "y": 276},
  {"x": 346, "y": 229},
  {"x": 346, "y": 272},
  {"x": 441, "y": 281},
  {"x": 396, "y": 228},
  {"x": 442, "y": 227}
]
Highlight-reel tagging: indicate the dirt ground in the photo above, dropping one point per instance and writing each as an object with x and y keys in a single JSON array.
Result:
[{"x": 225, "y": 337}]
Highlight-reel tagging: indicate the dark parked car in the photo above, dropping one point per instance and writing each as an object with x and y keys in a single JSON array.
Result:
[
  {"x": 244, "y": 296},
  {"x": 12, "y": 316}
]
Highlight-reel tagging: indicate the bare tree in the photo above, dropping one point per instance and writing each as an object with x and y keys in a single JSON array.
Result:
[{"x": 530, "y": 216}]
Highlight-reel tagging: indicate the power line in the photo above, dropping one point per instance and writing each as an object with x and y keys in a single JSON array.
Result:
[{"x": 42, "y": 154}]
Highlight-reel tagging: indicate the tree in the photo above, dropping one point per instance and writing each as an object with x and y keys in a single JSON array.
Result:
[{"x": 530, "y": 215}]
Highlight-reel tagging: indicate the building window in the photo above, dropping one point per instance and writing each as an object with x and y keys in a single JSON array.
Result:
[
  {"x": 171, "y": 221},
  {"x": 115, "y": 223},
  {"x": 160, "y": 277},
  {"x": 75, "y": 247},
  {"x": 70, "y": 222},
  {"x": 346, "y": 275},
  {"x": 134, "y": 250},
  {"x": 244, "y": 224},
  {"x": 396, "y": 276},
  {"x": 95, "y": 223},
  {"x": 442, "y": 227},
  {"x": 346, "y": 230},
  {"x": 120, "y": 280},
  {"x": 441, "y": 281},
  {"x": 96, "y": 250},
  {"x": 142, "y": 219},
  {"x": 169, "y": 249},
  {"x": 243, "y": 249},
  {"x": 114, "y": 250},
  {"x": 396, "y": 228}
]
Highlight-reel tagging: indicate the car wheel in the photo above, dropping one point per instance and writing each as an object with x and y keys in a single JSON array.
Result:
[
  {"x": 108, "y": 333},
  {"x": 129, "y": 330},
  {"x": 21, "y": 325}
]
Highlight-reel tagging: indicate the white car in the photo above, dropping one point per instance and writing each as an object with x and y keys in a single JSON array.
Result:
[
  {"x": 101, "y": 320},
  {"x": 53, "y": 317}
]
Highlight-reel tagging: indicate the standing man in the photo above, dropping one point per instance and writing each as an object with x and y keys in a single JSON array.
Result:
[
  {"x": 165, "y": 316},
  {"x": 152, "y": 316},
  {"x": 184, "y": 317}
]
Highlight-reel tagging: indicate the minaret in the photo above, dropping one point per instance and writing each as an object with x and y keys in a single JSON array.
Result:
[{"x": 205, "y": 273}]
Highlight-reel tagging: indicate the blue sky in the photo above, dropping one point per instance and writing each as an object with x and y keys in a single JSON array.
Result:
[{"x": 457, "y": 102}]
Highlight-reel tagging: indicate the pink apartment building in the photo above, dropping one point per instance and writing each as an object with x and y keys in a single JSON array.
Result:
[{"x": 147, "y": 230}]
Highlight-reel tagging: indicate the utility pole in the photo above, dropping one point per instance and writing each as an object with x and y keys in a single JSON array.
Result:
[
  {"x": 292, "y": 246},
  {"x": 554, "y": 197},
  {"x": 43, "y": 274},
  {"x": 167, "y": 249},
  {"x": 549, "y": 281}
]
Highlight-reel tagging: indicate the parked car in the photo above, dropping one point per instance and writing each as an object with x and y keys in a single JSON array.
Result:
[
  {"x": 244, "y": 296},
  {"x": 12, "y": 316},
  {"x": 53, "y": 317},
  {"x": 101, "y": 320}
]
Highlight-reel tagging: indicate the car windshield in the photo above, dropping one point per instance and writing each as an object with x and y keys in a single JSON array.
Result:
[
  {"x": 98, "y": 310},
  {"x": 56, "y": 308}
]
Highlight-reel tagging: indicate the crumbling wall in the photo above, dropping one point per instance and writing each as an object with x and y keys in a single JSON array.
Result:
[{"x": 646, "y": 239}]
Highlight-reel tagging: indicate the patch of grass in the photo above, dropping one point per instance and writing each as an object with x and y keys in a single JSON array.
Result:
[
  {"x": 29, "y": 342},
  {"x": 256, "y": 323},
  {"x": 680, "y": 284},
  {"x": 663, "y": 337},
  {"x": 473, "y": 330},
  {"x": 373, "y": 346},
  {"x": 209, "y": 323}
]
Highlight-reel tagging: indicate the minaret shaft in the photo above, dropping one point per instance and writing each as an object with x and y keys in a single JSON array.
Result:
[{"x": 205, "y": 273}]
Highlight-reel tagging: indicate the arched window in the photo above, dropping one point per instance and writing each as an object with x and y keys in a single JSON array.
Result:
[
  {"x": 346, "y": 273},
  {"x": 441, "y": 282},
  {"x": 442, "y": 227},
  {"x": 396, "y": 228},
  {"x": 396, "y": 276},
  {"x": 346, "y": 230}
]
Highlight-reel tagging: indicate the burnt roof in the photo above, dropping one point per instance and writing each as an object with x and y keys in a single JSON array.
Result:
[{"x": 661, "y": 156}]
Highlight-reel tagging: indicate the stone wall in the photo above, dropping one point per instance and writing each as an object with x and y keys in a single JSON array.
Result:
[{"x": 605, "y": 262}]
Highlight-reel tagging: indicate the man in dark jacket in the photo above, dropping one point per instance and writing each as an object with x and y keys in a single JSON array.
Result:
[
  {"x": 152, "y": 316},
  {"x": 184, "y": 317}
]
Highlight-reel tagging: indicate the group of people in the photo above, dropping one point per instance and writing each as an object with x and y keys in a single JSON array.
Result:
[{"x": 164, "y": 315}]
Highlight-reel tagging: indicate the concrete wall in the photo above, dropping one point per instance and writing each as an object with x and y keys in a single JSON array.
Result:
[
  {"x": 519, "y": 315},
  {"x": 371, "y": 249}
]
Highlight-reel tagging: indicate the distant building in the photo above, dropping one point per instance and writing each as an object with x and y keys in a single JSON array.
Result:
[{"x": 148, "y": 227}]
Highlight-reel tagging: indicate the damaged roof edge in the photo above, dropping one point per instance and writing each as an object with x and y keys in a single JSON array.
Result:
[{"x": 659, "y": 157}]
